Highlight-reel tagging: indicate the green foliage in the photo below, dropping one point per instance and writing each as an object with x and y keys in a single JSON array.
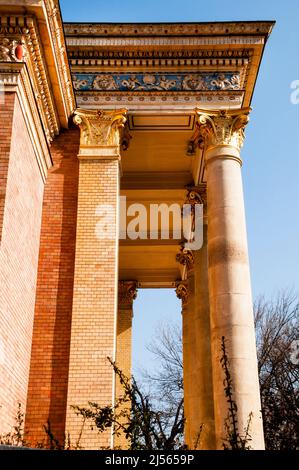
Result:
[
  {"x": 134, "y": 417},
  {"x": 16, "y": 437}
]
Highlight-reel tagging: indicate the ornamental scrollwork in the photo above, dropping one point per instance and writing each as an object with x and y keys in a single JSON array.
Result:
[
  {"x": 182, "y": 292},
  {"x": 157, "y": 81},
  {"x": 185, "y": 257},
  {"x": 196, "y": 194}
]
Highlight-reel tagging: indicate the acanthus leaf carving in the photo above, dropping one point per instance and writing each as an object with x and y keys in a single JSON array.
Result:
[
  {"x": 100, "y": 128},
  {"x": 225, "y": 127}
]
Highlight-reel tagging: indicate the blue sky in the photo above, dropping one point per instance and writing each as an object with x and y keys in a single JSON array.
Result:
[{"x": 270, "y": 154}]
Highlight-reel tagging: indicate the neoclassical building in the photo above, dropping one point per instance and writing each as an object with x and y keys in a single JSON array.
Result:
[{"x": 89, "y": 113}]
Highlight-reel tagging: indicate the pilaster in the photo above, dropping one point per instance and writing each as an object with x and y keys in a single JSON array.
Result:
[{"x": 94, "y": 316}]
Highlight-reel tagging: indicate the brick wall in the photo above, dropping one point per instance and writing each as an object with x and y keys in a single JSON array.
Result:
[
  {"x": 20, "y": 217},
  {"x": 47, "y": 392},
  {"x": 95, "y": 298},
  {"x": 6, "y": 119}
]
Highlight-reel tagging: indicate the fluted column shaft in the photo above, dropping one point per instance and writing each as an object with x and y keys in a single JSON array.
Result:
[{"x": 94, "y": 313}]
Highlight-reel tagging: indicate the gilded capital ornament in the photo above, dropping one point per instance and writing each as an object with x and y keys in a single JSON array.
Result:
[
  {"x": 182, "y": 292},
  {"x": 127, "y": 292},
  {"x": 100, "y": 128},
  {"x": 225, "y": 127},
  {"x": 185, "y": 257},
  {"x": 196, "y": 194}
]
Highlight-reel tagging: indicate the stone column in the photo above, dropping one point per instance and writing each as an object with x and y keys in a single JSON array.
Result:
[
  {"x": 185, "y": 292},
  {"x": 199, "y": 388},
  {"x": 204, "y": 404},
  {"x": 229, "y": 278},
  {"x": 93, "y": 335},
  {"x": 127, "y": 293}
]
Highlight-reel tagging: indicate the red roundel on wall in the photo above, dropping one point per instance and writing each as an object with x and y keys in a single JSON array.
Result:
[{"x": 19, "y": 51}]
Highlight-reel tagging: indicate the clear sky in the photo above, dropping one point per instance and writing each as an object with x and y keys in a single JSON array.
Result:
[{"x": 270, "y": 153}]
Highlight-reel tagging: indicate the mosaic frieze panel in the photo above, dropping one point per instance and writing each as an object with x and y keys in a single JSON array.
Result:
[{"x": 140, "y": 82}]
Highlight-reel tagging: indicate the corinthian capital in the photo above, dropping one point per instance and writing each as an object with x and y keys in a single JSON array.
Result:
[
  {"x": 224, "y": 127},
  {"x": 127, "y": 292},
  {"x": 100, "y": 128},
  {"x": 185, "y": 257},
  {"x": 182, "y": 292}
]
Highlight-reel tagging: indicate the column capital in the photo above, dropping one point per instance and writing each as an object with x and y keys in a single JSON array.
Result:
[
  {"x": 185, "y": 257},
  {"x": 196, "y": 194},
  {"x": 222, "y": 128},
  {"x": 127, "y": 292},
  {"x": 182, "y": 291},
  {"x": 101, "y": 132}
]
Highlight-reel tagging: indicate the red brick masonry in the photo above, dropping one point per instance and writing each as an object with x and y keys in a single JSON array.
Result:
[{"x": 48, "y": 381}]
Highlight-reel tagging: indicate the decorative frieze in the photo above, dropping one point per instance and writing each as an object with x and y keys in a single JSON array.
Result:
[{"x": 158, "y": 81}]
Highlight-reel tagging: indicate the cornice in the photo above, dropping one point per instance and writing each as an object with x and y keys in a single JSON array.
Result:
[
  {"x": 263, "y": 28},
  {"x": 168, "y": 48},
  {"x": 57, "y": 30},
  {"x": 37, "y": 66},
  {"x": 38, "y": 27}
]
